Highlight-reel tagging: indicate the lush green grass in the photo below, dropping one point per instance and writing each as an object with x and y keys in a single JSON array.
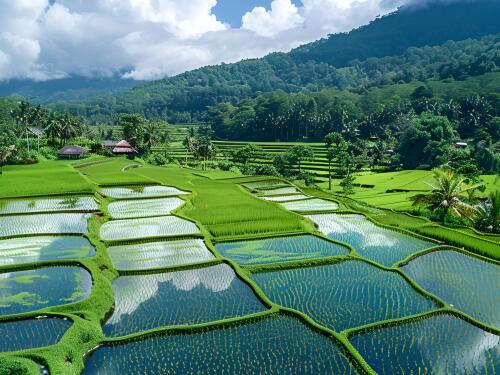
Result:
[
  {"x": 225, "y": 208},
  {"x": 44, "y": 178},
  {"x": 114, "y": 172}
]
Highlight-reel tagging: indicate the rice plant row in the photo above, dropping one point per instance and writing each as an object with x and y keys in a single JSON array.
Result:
[
  {"x": 68, "y": 223},
  {"x": 440, "y": 344},
  {"x": 142, "y": 192},
  {"x": 179, "y": 298},
  {"x": 31, "y": 333},
  {"x": 22, "y": 206},
  {"x": 35, "y": 249},
  {"x": 370, "y": 241},
  {"x": 469, "y": 284},
  {"x": 278, "y": 345},
  {"x": 159, "y": 254},
  {"x": 143, "y": 207},
  {"x": 163, "y": 226},
  {"x": 344, "y": 295},
  {"x": 282, "y": 249}
]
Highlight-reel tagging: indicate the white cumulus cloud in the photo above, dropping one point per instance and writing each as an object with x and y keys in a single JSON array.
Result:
[{"x": 150, "y": 39}]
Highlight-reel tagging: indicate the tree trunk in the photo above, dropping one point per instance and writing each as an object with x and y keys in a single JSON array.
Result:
[{"x": 329, "y": 174}]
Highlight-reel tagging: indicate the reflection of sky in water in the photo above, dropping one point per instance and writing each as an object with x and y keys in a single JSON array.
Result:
[
  {"x": 159, "y": 254},
  {"x": 132, "y": 291},
  {"x": 439, "y": 345},
  {"x": 311, "y": 205},
  {"x": 46, "y": 205},
  {"x": 375, "y": 243},
  {"x": 34, "y": 249},
  {"x": 470, "y": 284},
  {"x": 149, "y": 227},
  {"x": 138, "y": 192},
  {"x": 179, "y": 298},
  {"x": 26, "y": 291},
  {"x": 43, "y": 224},
  {"x": 144, "y": 207}
]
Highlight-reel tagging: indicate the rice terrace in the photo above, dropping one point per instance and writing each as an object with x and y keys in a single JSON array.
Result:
[
  {"x": 233, "y": 187},
  {"x": 174, "y": 270}
]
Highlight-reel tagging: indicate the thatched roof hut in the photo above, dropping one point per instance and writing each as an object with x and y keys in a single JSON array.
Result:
[
  {"x": 123, "y": 148},
  {"x": 110, "y": 144},
  {"x": 72, "y": 152}
]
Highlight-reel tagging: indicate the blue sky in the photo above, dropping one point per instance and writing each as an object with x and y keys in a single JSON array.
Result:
[{"x": 231, "y": 11}]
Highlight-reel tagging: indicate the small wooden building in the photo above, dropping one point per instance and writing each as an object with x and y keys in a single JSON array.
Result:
[
  {"x": 123, "y": 148},
  {"x": 72, "y": 152},
  {"x": 110, "y": 145}
]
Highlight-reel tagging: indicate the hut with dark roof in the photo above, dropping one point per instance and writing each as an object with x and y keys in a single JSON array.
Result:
[
  {"x": 110, "y": 145},
  {"x": 72, "y": 152},
  {"x": 123, "y": 148}
]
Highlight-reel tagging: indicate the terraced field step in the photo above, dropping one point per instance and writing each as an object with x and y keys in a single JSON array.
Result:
[
  {"x": 28, "y": 206},
  {"x": 144, "y": 207},
  {"x": 141, "y": 192},
  {"x": 275, "y": 345},
  {"x": 193, "y": 296},
  {"x": 67, "y": 223}
]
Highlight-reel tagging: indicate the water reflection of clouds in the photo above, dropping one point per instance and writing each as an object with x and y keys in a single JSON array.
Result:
[
  {"x": 43, "y": 224},
  {"x": 34, "y": 249},
  {"x": 132, "y": 291},
  {"x": 148, "y": 191},
  {"x": 46, "y": 205}
]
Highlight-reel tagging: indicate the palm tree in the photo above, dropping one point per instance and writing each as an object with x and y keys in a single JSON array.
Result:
[
  {"x": 22, "y": 115},
  {"x": 150, "y": 135},
  {"x": 447, "y": 195},
  {"x": 489, "y": 214},
  {"x": 53, "y": 127}
]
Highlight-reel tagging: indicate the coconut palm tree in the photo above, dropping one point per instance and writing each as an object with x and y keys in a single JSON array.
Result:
[
  {"x": 447, "y": 195},
  {"x": 22, "y": 115},
  {"x": 489, "y": 214}
]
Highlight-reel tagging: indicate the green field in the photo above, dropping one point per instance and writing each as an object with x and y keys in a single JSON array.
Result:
[{"x": 188, "y": 271}]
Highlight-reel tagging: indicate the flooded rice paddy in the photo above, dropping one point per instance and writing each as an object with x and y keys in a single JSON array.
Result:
[
  {"x": 194, "y": 296},
  {"x": 31, "y": 333},
  {"x": 144, "y": 207},
  {"x": 25, "y": 291},
  {"x": 311, "y": 205},
  {"x": 441, "y": 344},
  {"x": 159, "y": 254},
  {"x": 469, "y": 284},
  {"x": 276, "y": 250},
  {"x": 24, "y": 225},
  {"x": 370, "y": 241},
  {"x": 279, "y": 345},
  {"x": 286, "y": 198},
  {"x": 44, "y": 248},
  {"x": 164, "y": 226},
  {"x": 142, "y": 192},
  {"x": 344, "y": 295},
  {"x": 27, "y": 206}
]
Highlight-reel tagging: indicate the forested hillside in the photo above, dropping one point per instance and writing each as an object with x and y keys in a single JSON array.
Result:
[{"x": 185, "y": 98}]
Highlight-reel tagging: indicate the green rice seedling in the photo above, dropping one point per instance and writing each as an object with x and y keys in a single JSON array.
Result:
[
  {"x": 280, "y": 191},
  {"x": 282, "y": 249},
  {"x": 45, "y": 178},
  {"x": 193, "y": 296},
  {"x": 159, "y": 254},
  {"x": 378, "y": 244},
  {"x": 144, "y": 207},
  {"x": 35, "y": 249},
  {"x": 43, "y": 224},
  {"x": 163, "y": 226},
  {"x": 344, "y": 295},
  {"x": 465, "y": 282},
  {"x": 25, "y": 206},
  {"x": 31, "y": 333},
  {"x": 286, "y": 198},
  {"x": 26, "y": 291},
  {"x": 142, "y": 192},
  {"x": 441, "y": 344},
  {"x": 113, "y": 172},
  {"x": 311, "y": 205},
  {"x": 274, "y": 345}
]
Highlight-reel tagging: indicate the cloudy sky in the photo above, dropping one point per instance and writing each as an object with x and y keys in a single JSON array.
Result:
[{"x": 149, "y": 39}]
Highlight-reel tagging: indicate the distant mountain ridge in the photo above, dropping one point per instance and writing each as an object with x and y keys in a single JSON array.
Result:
[
  {"x": 403, "y": 46},
  {"x": 391, "y": 35}
]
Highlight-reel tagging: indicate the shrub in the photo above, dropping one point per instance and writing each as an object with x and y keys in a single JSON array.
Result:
[
  {"x": 225, "y": 165},
  {"x": 266, "y": 170},
  {"x": 157, "y": 158}
]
